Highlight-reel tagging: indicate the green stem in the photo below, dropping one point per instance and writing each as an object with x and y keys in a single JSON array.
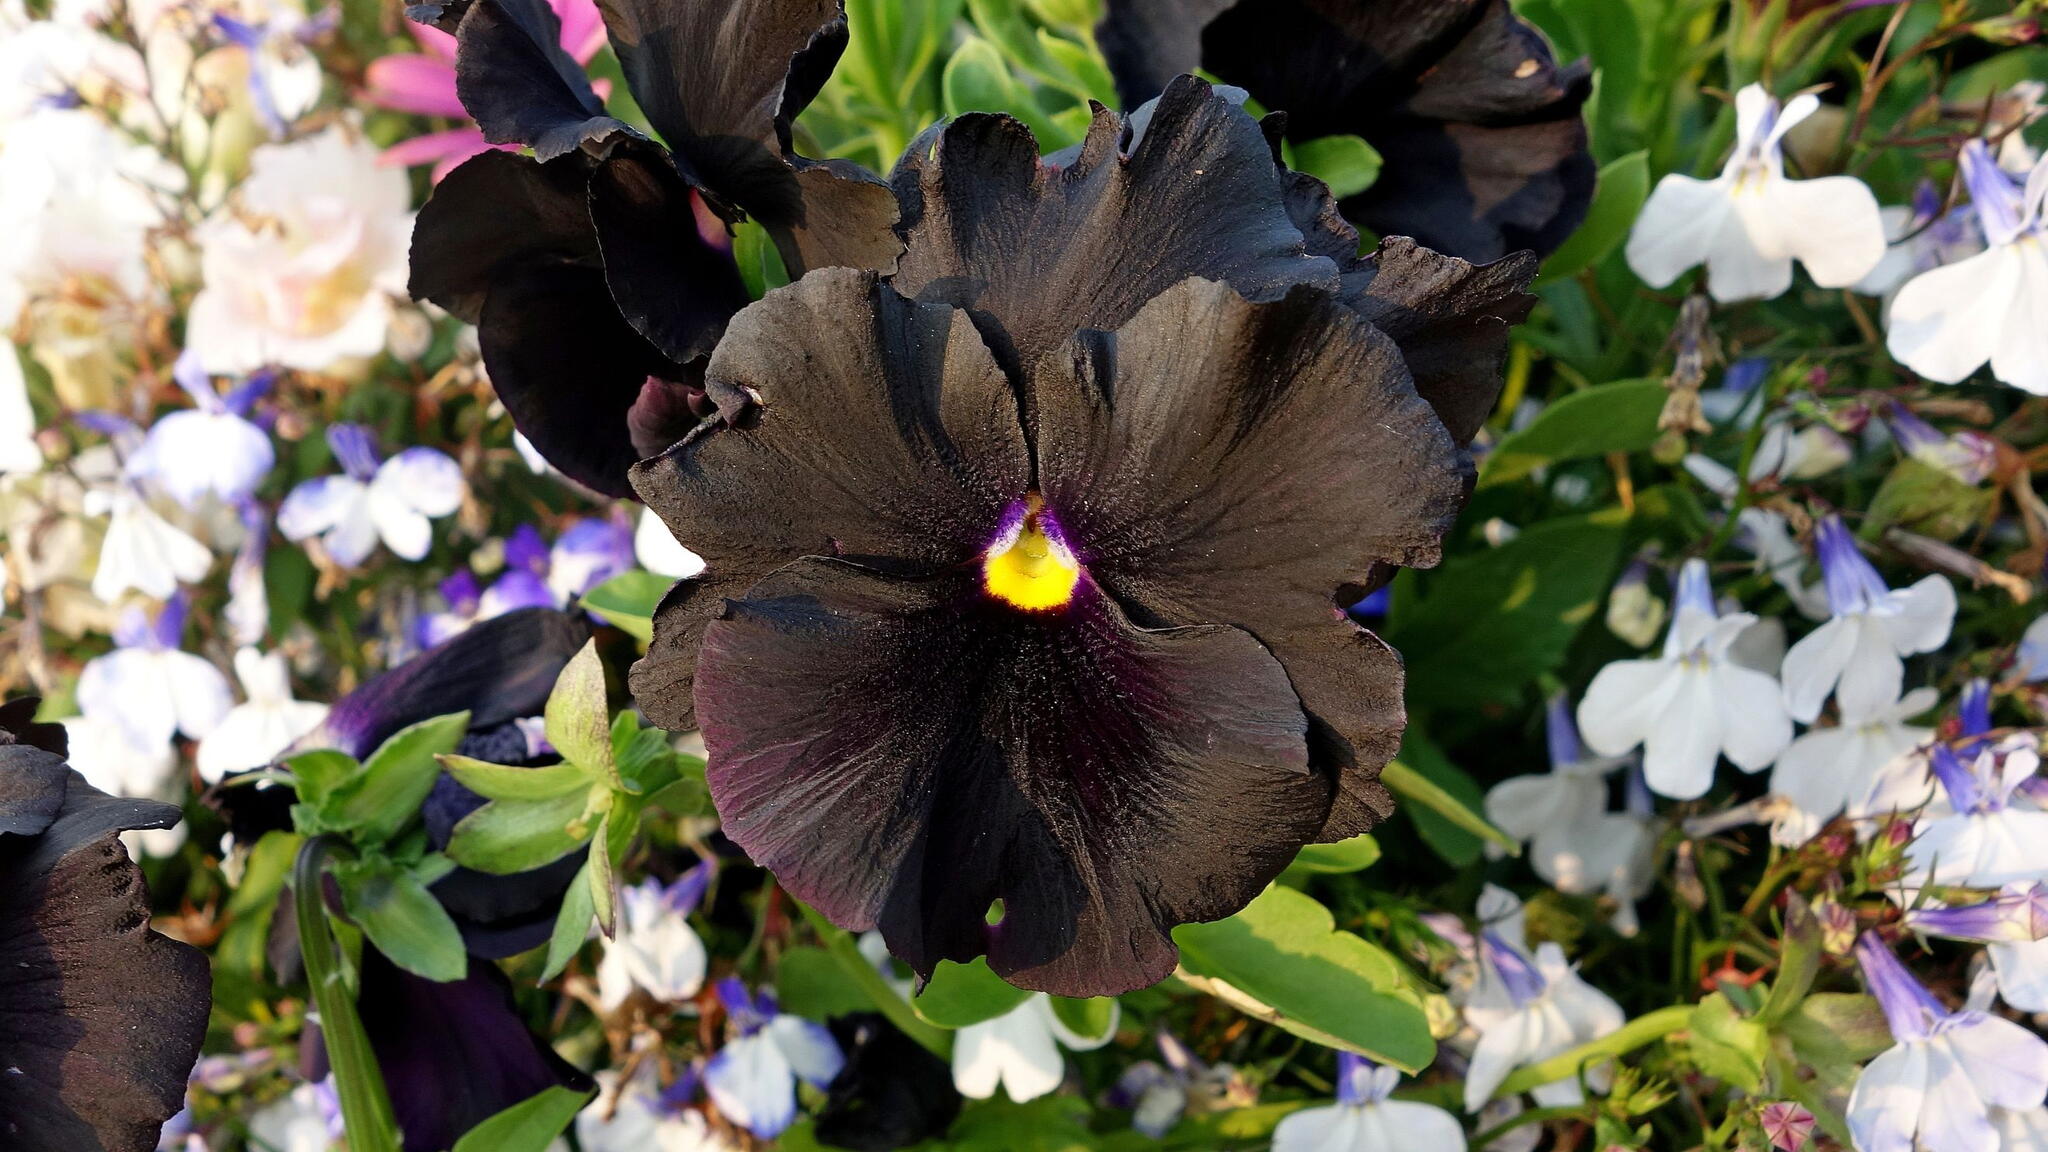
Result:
[
  {"x": 365, "y": 1106},
  {"x": 1411, "y": 785},
  {"x": 841, "y": 944},
  {"x": 1527, "y": 1116},
  {"x": 1637, "y": 1033}
]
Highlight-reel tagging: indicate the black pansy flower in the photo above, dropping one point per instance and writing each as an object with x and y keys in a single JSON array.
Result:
[
  {"x": 599, "y": 270},
  {"x": 101, "y": 1018},
  {"x": 890, "y": 1093},
  {"x": 1063, "y": 640},
  {"x": 1484, "y": 147}
]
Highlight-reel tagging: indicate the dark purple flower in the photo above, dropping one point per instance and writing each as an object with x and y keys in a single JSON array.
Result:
[
  {"x": 1484, "y": 148},
  {"x": 102, "y": 1017}
]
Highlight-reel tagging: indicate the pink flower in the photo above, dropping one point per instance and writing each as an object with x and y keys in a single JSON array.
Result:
[
  {"x": 423, "y": 83},
  {"x": 1787, "y": 1125}
]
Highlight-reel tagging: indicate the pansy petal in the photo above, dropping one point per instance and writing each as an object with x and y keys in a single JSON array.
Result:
[
  {"x": 1166, "y": 460},
  {"x": 521, "y": 87},
  {"x": 989, "y": 226},
  {"x": 672, "y": 286},
  {"x": 104, "y": 1016},
  {"x": 835, "y": 359},
  {"x": 902, "y": 753},
  {"x": 31, "y": 789}
]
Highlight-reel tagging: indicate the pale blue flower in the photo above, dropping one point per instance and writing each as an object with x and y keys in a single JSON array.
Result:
[
  {"x": 373, "y": 499},
  {"x": 655, "y": 950},
  {"x": 1367, "y": 1119},
  {"x": 1856, "y": 654},
  {"x": 752, "y": 1080},
  {"x": 147, "y": 686},
  {"x": 209, "y": 449}
]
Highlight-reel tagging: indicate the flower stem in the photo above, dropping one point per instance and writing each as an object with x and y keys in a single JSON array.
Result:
[
  {"x": 365, "y": 1106},
  {"x": 841, "y": 944},
  {"x": 1641, "y": 1031}
]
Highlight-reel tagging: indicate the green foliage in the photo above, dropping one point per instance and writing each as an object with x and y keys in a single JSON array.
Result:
[
  {"x": 1347, "y": 164},
  {"x": 1623, "y": 186},
  {"x": 528, "y": 1126},
  {"x": 962, "y": 994},
  {"x": 1353, "y": 855},
  {"x": 627, "y": 601},
  {"x": 1617, "y": 417},
  {"x": 1283, "y": 959}
]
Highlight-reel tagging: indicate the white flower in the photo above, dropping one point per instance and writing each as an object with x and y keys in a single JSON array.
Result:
[
  {"x": 110, "y": 760},
  {"x": 1980, "y": 830},
  {"x": 660, "y": 552},
  {"x": 1921, "y": 238},
  {"x": 1872, "y": 627},
  {"x": 1690, "y": 705},
  {"x": 284, "y": 74},
  {"x": 2025, "y": 1130},
  {"x": 148, "y": 687},
  {"x": 142, "y": 550},
  {"x": 210, "y": 448},
  {"x": 1018, "y": 1051},
  {"x": 1527, "y": 1008},
  {"x": 303, "y": 272},
  {"x": 46, "y": 63},
  {"x": 1936, "y": 1087},
  {"x": 1988, "y": 308},
  {"x": 637, "y": 1115},
  {"x": 80, "y": 200},
  {"x": 1749, "y": 223},
  {"x": 18, "y": 450},
  {"x": 257, "y": 731},
  {"x": 391, "y": 500},
  {"x": 308, "y": 1120},
  {"x": 752, "y": 1080},
  {"x": 1826, "y": 769},
  {"x": 2015, "y": 926},
  {"x": 1364, "y": 1119},
  {"x": 654, "y": 949}
]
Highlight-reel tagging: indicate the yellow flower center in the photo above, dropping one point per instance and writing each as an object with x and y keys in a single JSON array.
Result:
[{"x": 1029, "y": 569}]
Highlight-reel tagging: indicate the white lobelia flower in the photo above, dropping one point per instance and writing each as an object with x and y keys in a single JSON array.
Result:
[
  {"x": 638, "y": 1115},
  {"x": 1987, "y": 308},
  {"x": 1365, "y": 1119},
  {"x": 147, "y": 686},
  {"x": 587, "y": 553},
  {"x": 1749, "y": 223},
  {"x": 658, "y": 550},
  {"x": 1856, "y": 654},
  {"x": 257, "y": 731},
  {"x": 1527, "y": 1008},
  {"x": 248, "y": 608},
  {"x": 1980, "y": 830},
  {"x": 307, "y": 1120},
  {"x": 2015, "y": 926},
  {"x": 284, "y": 74},
  {"x": 1019, "y": 1051},
  {"x": 1921, "y": 239},
  {"x": 211, "y": 448},
  {"x": 654, "y": 949},
  {"x": 303, "y": 272},
  {"x": 1827, "y": 769},
  {"x": 2025, "y": 1130},
  {"x": 1765, "y": 534},
  {"x": 1690, "y": 705},
  {"x": 1937, "y": 1086},
  {"x": 2030, "y": 659},
  {"x": 142, "y": 550},
  {"x": 752, "y": 1080},
  {"x": 372, "y": 499},
  {"x": 18, "y": 450}
]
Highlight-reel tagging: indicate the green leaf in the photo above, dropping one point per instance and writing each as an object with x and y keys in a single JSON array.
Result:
[
  {"x": 1347, "y": 164},
  {"x": 528, "y": 1126},
  {"x": 572, "y": 925},
  {"x": 1487, "y": 624},
  {"x": 1837, "y": 1029},
  {"x": 604, "y": 894},
  {"x": 365, "y": 1105},
  {"x": 977, "y": 80},
  {"x": 1727, "y": 1045},
  {"x": 641, "y": 755},
  {"x": 386, "y": 795},
  {"x": 404, "y": 920},
  {"x": 811, "y": 983},
  {"x": 244, "y": 944},
  {"x": 1353, "y": 855},
  {"x": 508, "y": 836},
  {"x": 627, "y": 601},
  {"x": 687, "y": 794},
  {"x": 578, "y": 722},
  {"x": 1799, "y": 960},
  {"x": 961, "y": 994},
  {"x": 319, "y": 772},
  {"x": 1921, "y": 498},
  {"x": 505, "y": 782},
  {"x": 1443, "y": 801},
  {"x": 1624, "y": 185},
  {"x": 1286, "y": 962},
  {"x": 1617, "y": 417},
  {"x": 1091, "y": 1019}
]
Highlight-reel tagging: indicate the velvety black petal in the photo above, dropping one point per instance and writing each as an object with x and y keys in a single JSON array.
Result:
[
  {"x": 1038, "y": 252},
  {"x": 904, "y": 752},
  {"x": 880, "y": 429},
  {"x": 498, "y": 670},
  {"x": 31, "y": 789},
  {"x": 721, "y": 81},
  {"x": 101, "y": 1018},
  {"x": 510, "y": 245},
  {"x": 892, "y": 1093},
  {"x": 522, "y": 88},
  {"x": 18, "y": 726},
  {"x": 453, "y": 1054},
  {"x": 672, "y": 286},
  {"x": 1485, "y": 149},
  {"x": 1217, "y": 461}
]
